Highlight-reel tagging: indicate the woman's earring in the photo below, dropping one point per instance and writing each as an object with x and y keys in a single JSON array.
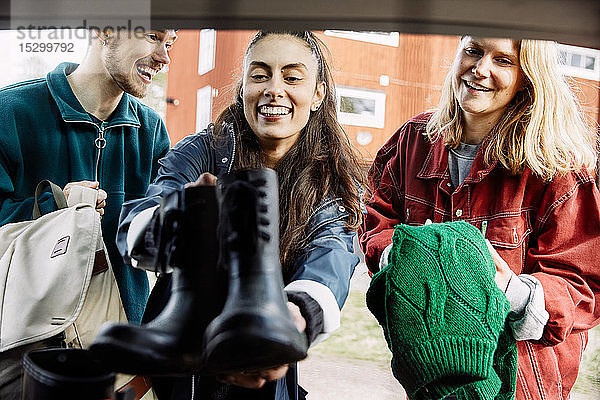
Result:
[{"x": 105, "y": 41}]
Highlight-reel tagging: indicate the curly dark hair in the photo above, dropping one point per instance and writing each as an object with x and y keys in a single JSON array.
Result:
[{"x": 320, "y": 164}]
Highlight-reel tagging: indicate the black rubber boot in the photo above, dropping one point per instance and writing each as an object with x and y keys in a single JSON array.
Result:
[
  {"x": 255, "y": 329},
  {"x": 171, "y": 344},
  {"x": 66, "y": 374}
]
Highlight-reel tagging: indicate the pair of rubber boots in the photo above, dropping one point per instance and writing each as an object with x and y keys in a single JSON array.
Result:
[{"x": 218, "y": 240}]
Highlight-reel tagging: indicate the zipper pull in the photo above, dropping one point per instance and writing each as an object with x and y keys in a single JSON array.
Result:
[
  {"x": 484, "y": 228},
  {"x": 100, "y": 141}
]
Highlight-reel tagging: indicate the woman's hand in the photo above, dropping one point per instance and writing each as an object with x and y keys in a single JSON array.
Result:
[
  {"x": 255, "y": 379},
  {"x": 206, "y": 179},
  {"x": 503, "y": 271},
  {"x": 299, "y": 320}
]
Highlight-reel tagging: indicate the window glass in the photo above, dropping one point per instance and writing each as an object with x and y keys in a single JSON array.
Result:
[
  {"x": 203, "y": 107},
  {"x": 580, "y": 62},
  {"x": 361, "y": 107},
  {"x": 590, "y": 63},
  {"x": 385, "y": 38},
  {"x": 206, "y": 51}
]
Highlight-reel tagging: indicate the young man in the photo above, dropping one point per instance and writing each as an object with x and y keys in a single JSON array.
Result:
[{"x": 81, "y": 125}]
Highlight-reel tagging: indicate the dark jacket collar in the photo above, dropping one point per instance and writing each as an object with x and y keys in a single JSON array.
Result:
[{"x": 72, "y": 111}]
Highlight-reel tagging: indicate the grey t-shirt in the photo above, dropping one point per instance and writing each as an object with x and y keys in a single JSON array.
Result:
[{"x": 460, "y": 161}]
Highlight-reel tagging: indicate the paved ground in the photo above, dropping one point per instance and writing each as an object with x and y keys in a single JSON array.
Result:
[
  {"x": 329, "y": 378},
  {"x": 582, "y": 396},
  {"x": 333, "y": 378}
]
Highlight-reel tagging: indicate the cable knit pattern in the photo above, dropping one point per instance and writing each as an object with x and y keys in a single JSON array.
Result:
[{"x": 443, "y": 316}]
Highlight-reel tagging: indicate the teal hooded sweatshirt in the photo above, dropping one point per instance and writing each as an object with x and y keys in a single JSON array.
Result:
[{"x": 46, "y": 134}]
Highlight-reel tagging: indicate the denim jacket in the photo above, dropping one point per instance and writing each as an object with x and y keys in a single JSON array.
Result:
[{"x": 324, "y": 268}]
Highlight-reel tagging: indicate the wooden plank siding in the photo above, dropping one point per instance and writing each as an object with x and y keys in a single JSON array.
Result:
[{"x": 416, "y": 70}]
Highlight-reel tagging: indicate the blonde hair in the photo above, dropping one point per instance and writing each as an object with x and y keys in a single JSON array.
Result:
[{"x": 543, "y": 127}]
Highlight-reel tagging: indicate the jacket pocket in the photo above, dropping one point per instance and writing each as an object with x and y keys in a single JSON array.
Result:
[
  {"x": 417, "y": 211},
  {"x": 509, "y": 234}
]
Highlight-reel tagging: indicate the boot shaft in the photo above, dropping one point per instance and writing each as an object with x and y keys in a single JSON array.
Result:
[
  {"x": 249, "y": 223},
  {"x": 189, "y": 219},
  {"x": 65, "y": 374}
]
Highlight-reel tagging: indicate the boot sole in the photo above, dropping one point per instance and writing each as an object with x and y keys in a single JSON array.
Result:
[
  {"x": 120, "y": 350},
  {"x": 238, "y": 350}
]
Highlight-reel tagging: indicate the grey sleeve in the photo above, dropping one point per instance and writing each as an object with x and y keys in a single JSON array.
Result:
[
  {"x": 527, "y": 316},
  {"x": 385, "y": 255}
]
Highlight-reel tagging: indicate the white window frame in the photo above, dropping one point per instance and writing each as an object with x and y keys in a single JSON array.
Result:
[
  {"x": 206, "y": 51},
  {"x": 203, "y": 107},
  {"x": 373, "y": 121},
  {"x": 581, "y": 72},
  {"x": 384, "y": 38}
]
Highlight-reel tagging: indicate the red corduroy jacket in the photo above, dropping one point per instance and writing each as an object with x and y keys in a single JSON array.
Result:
[{"x": 550, "y": 230}]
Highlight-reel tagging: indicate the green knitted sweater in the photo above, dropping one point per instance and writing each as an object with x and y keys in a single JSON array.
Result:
[{"x": 443, "y": 316}]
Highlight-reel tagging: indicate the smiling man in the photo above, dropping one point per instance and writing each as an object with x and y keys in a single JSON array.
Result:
[{"x": 81, "y": 125}]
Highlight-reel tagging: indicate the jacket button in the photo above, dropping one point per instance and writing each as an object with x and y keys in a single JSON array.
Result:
[
  {"x": 458, "y": 212},
  {"x": 341, "y": 208},
  {"x": 224, "y": 160},
  {"x": 448, "y": 184}
]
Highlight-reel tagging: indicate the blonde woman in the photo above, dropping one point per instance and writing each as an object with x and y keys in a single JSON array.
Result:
[{"x": 508, "y": 151}]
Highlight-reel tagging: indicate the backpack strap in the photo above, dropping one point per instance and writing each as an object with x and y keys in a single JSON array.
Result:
[{"x": 59, "y": 196}]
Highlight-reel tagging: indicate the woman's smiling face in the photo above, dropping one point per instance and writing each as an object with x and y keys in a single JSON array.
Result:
[
  {"x": 487, "y": 76},
  {"x": 279, "y": 90}
]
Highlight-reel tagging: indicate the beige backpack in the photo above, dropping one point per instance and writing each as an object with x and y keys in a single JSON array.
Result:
[{"x": 55, "y": 274}]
